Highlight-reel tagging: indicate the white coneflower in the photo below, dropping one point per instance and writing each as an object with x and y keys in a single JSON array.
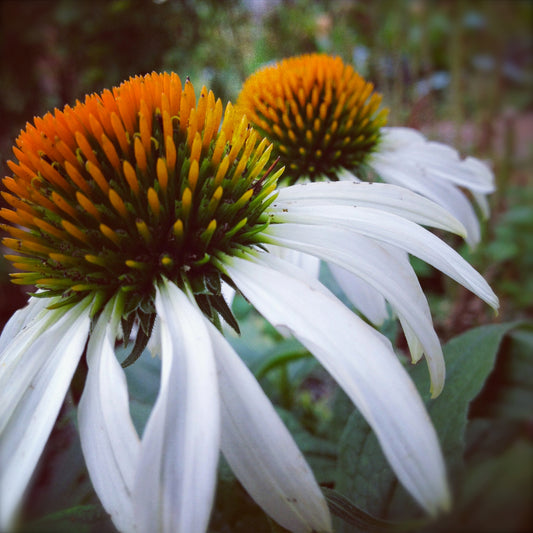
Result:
[
  {"x": 326, "y": 124},
  {"x": 325, "y": 120},
  {"x": 132, "y": 208}
]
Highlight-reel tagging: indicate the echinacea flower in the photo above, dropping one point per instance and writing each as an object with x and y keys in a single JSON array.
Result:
[
  {"x": 326, "y": 123},
  {"x": 128, "y": 212}
]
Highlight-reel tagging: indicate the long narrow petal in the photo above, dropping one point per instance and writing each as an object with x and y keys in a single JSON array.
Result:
[
  {"x": 393, "y": 278},
  {"x": 21, "y": 319},
  {"x": 30, "y": 325},
  {"x": 483, "y": 204},
  {"x": 405, "y": 145},
  {"x": 46, "y": 368},
  {"x": 399, "y": 232},
  {"x": 309, "y": 263},
  {"x": 383, "y": 196},
  {"x": 177, "y": 471},
  {"x": 363, "y": 365},
  {"x": 109, "y": 441},
  {"x": 363, "y": 296},
  {"x": 261, "y": 451},
  {"x": 443, "y": 192}
]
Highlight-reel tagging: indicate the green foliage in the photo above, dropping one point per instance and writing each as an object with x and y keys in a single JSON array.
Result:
[{"x": 364, "y": 476}]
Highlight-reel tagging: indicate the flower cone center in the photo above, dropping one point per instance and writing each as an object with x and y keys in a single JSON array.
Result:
[
  {"x": 134, "y": 184},
  {"x": 319, "y": 113}
]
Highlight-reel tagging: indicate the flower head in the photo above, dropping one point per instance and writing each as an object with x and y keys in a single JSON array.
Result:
[
  {"x": 117, "y": 192},
  {"x": 133, "y": 207},
  {"x": 320, "y": 114},
  {"x": 326, "y": 123}
]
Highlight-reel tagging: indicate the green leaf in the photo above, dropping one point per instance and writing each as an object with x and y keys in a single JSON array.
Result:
[
  {"x": 495, "y": 494},
  {"x": 285, "y": 352},
  {"x": 470, "y": 358},
  {"x": 354, "y": 516},
  {"x": 508, "y": 392},
  {"x": 363, "y": 474}
]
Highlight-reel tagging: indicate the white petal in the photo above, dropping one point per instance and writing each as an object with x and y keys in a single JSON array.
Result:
[
  {"x": 345, "y": 175},
  {"x": 261, "y": 451},
  {"x": 21, "y": 318},
  {"x": 383, "y": 196},
  {"x": 483, "y": 204},
  {"x": 109, "y": 441},
  {"x": 154, "y": 343},
  {"x": 30, "y": 324},
  {"x": 177, "y": 472},
  {"x": 399, "y": 232},
  {"x": 359, "y": 359},
  {"x": 482, "y": 171},
  {"x": 43, "y": 372},
  {"x": 404, "y": 146},
  {"x": 442, "y": 192},
  {"x": 389, "y": 273},
  {"x": 307, "y": 262},
  {"x": 363, "y": 296},
  {"x": 228, "y": 292}
]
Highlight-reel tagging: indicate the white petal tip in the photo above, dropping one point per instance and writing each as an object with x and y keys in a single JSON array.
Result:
[
  {"x": 435, "y": 390},
  {"x": 443, "y": 506}
]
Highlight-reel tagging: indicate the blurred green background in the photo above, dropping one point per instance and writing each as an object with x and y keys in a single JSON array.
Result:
[{"x": 461, "y": 71}]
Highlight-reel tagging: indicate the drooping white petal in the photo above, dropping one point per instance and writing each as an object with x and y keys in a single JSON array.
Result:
[
  {"x": 482, "y": 171},
  {"x": 389, "y": 273},
  {"x": 483, "y": 204},
  {"x": 154, "y": 343},
  {"x": 383, "y": 196},
  {"x": 397, "y": 231},
  {"x": 177, "y": 470},
  {"x": 443, "y": 192},
  {"x": 43, "y": 372},
  {"x": 309, "y": 263},
  {"x": 228, "y": 293},
  {"x": 363, "y": 296},
  {"x": 260, "y": 449},
  {"x": 362, "y": 363},
  {"x": 34, "y": 321},
  {"x": 404, "y": 145},
  {"x": 21, "y": 318},
  {"x": 109, "y": 441}
]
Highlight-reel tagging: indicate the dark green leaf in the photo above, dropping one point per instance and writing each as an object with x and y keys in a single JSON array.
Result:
[
  {"x": 285, "y": 352},
  {"x": 508, "y": 392},
  {"x": 363, "y": 474},
  {"x": 354, "y": 516}
]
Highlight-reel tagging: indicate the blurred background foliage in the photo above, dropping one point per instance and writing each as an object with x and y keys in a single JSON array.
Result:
[{"x": 459, "y": 70}]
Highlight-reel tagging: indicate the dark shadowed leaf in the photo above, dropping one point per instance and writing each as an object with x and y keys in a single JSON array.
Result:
[{"x": 363, "y": 474}]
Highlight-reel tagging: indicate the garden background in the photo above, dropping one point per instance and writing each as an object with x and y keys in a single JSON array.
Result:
[{"x": 461, "y": 72}]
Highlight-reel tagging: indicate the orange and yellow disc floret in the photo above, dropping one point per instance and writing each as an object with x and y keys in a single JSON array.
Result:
[
  {"x": 132, "y": 185},
  {"x": 320, "y": 114}
]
